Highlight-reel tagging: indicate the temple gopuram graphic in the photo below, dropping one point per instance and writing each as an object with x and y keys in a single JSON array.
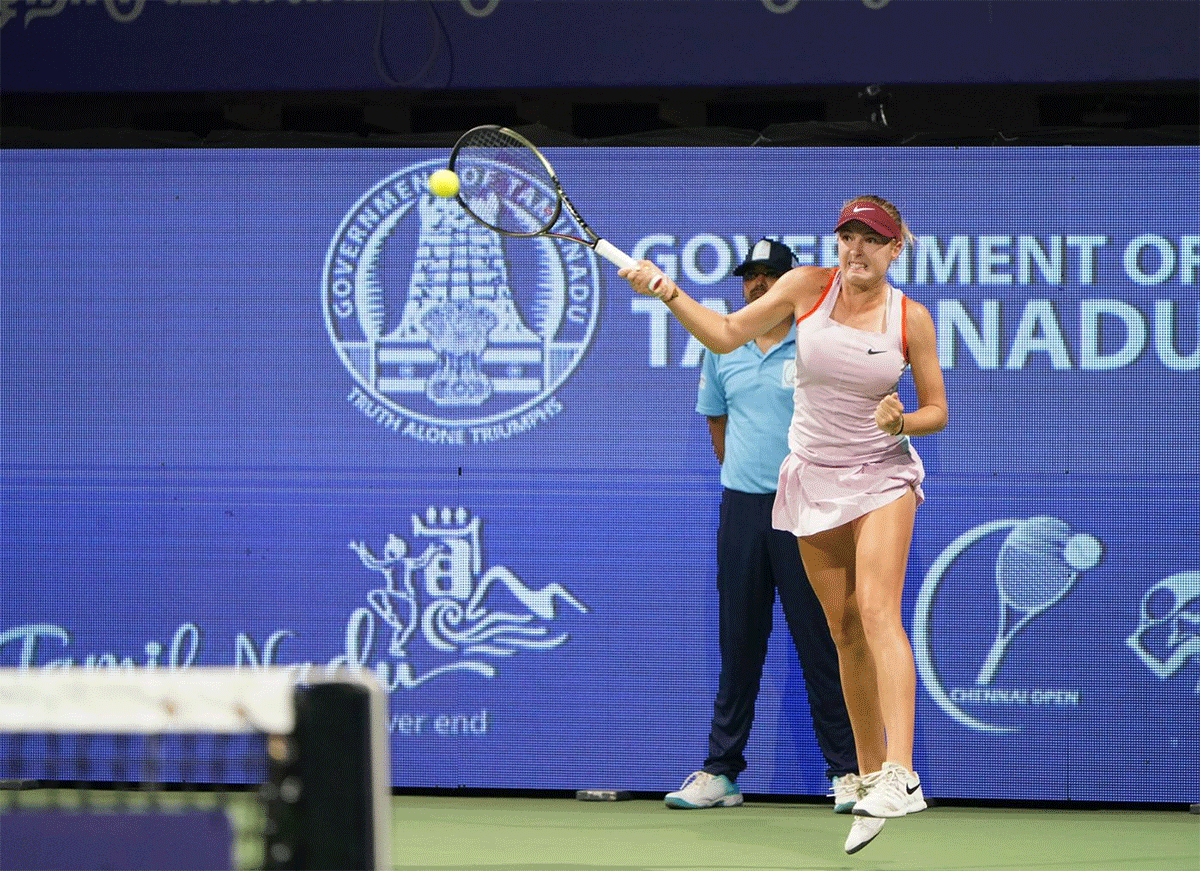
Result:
[{"x": 460, "y": 338}]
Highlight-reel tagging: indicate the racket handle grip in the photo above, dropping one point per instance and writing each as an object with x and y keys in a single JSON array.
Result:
[
  {"x": 992, "y": 664},
  {"x": 620, "y": 259},
  {"x": 613, "y": 254}
]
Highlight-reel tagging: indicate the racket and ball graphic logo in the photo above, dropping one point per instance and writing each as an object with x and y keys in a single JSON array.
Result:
[{"x": 1038, "y": 563}]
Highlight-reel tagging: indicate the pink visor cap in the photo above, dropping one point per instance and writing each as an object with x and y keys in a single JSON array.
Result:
[{"x": 871, "y": 214}]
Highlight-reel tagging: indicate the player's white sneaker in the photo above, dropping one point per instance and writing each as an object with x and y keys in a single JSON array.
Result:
[
  {"x": 893, "y": 791},
  {"x": 701, "y": 790},
  {"x": 862, "y": 832},
  {"x": 847, "y": 789}
]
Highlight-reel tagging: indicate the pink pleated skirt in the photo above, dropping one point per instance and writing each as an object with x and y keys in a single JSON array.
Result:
[{"x": 812, "y": 498}]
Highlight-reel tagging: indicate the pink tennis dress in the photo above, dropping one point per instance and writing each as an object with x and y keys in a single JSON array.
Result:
[{"x": 841, "y": 464}]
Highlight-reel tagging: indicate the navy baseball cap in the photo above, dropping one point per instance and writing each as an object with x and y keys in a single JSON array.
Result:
[{"x": 773, "y": 256}]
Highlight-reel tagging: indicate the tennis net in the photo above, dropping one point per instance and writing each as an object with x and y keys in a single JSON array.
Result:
[{"x": 200, "y": 768}]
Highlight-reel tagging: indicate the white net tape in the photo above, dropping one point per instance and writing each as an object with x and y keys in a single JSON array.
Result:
[{"x": 147, "y": 701}]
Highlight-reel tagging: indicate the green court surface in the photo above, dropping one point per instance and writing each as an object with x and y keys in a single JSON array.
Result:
[{"x": 451, "y": 833}]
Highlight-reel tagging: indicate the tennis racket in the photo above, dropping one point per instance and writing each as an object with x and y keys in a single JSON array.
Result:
[
  {"x": 1032, "y": 575},
  {"x": 513, "y": 190}
]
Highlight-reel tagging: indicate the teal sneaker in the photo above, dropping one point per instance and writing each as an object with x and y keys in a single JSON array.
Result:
[
  {"x": 701, "y": 790},
  {"x": 847, "y": 789}
]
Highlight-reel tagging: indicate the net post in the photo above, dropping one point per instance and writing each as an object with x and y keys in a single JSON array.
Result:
[{"x": 330, "y": 805}]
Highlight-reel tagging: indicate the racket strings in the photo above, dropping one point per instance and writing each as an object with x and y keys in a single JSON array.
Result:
[
  {"x": 1029, "y": 582},
  {"x": 506, "y": 184}
]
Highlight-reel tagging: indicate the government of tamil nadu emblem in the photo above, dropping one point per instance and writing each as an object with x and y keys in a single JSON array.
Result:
[{"x": 451, "y": 333}]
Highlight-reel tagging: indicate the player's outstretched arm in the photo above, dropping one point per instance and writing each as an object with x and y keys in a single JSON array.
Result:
[{"x": 721, "y": 333}]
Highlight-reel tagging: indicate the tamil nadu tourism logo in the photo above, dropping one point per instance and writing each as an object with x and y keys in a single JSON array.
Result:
[{"x": 453, "y": 334}]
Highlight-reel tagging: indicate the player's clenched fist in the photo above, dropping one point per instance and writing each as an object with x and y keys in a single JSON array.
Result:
[{"x": 889, "y": 414}]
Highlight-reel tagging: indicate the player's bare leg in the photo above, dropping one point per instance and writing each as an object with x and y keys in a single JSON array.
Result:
[
  {"x": 829, "y": 561},
  {"x": 883, "y": 538}
]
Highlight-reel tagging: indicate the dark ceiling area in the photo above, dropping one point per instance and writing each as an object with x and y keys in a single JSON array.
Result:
[
  {"x": 143, "y": 73},
  {"x": 1129, "y": 113}
]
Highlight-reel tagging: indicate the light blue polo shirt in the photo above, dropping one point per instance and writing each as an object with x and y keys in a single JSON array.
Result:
[{"x": 755, "y": 390}]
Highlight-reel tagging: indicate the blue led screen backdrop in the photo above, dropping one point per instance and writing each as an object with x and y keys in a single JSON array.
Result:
[{"x": 282, "y": 407}]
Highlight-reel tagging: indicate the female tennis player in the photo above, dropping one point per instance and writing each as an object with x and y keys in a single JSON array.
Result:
[{"x": 850, "y": 486}]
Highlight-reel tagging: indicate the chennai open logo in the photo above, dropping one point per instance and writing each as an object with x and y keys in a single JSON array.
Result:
[
  {"x": 1032, "y": 569},
  {"x": 453, "y": 334}
]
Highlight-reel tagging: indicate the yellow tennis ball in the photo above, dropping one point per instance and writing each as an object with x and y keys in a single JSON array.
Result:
[{"x": 443, "y": 183}]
